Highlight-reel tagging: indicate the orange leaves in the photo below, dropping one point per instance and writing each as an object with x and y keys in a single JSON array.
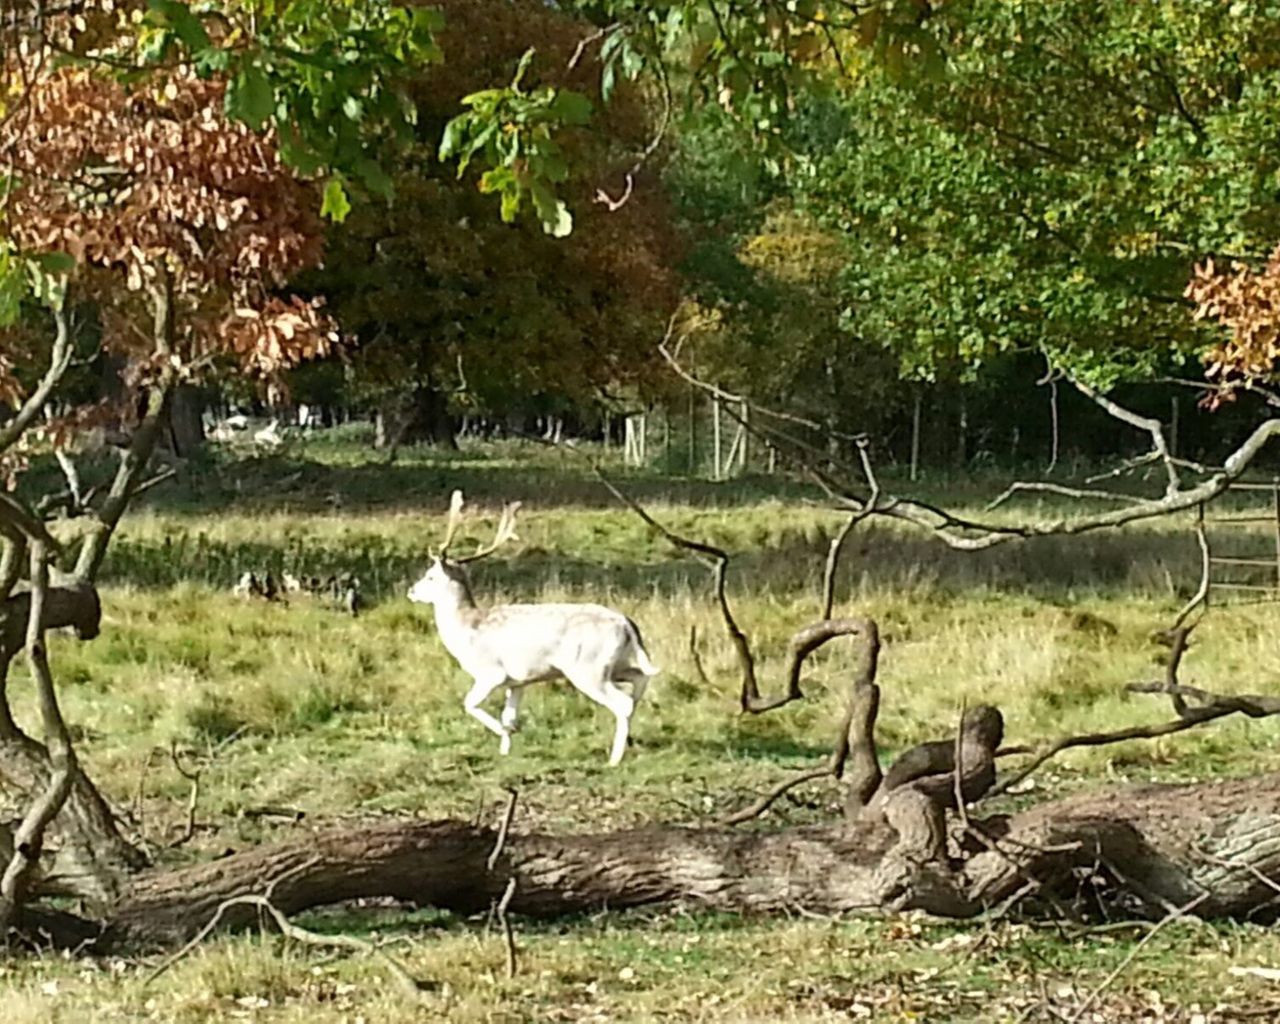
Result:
[
  {"x": 1247, "y": 303},
  {"x": 281, "y": 334},
  {"x": 136, "y": 182}
]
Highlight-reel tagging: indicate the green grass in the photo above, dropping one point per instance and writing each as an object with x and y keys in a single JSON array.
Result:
[{"x": 303, "y": 707}]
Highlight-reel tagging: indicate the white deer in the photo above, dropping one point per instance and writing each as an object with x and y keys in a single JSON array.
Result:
[{"x": 593, "y": 647}]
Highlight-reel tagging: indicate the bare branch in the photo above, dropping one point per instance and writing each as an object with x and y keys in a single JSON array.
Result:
[
  {"x": 855, "y": 740},
  {"x": 28, "y": 841},
  {"x": 660, "y": 133},
  {"x": 1106, "y": 982},
  {"x": 1146, "y": 423},
  {"x": 696, "y": 657},
  {"x": 72, "y": 474},
  {"x": 975, "y": 535},
  {"x": 501, "y": 841},
  {"x": 508, "y": 935},
  {"x": 16, "y": 520},
  {"x": 1251, "y": 704},
  {"x": 719, "y": 561},
  {"x": 290, "y": 930},
  {"x": 193, "y": 797},
  {"x": 591, "y": 38},
  {"x": 957, "y": 771},
  {"x": 12, "y": 551},
  {"x": 59, "y": 362},
  {"x": 1215, "y": 706},
  {"x": 838, "y": 542},
  {"x": 1043, "y": 487},
  {"x": 1200, "y": 598},
  {"x": 134, "y": 464},
  {"x": 758, "y": 807},
  {"x": 1129, "y": 465}
]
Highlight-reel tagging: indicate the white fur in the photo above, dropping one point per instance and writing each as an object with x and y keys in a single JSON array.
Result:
[{"x": 513, "y": 645}]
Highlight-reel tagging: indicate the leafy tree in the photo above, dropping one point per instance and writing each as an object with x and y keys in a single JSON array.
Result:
[
  {"x": 140, "y": 182},
  {"x": 437, "y": 293},
  {"x": 1050, "y": 187}
]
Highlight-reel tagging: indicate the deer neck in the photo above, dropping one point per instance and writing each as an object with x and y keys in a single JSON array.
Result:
[{"x": 457, "y": 612}]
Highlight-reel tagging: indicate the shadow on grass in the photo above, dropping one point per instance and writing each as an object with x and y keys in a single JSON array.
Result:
[
  {"x": 1151, "y": 563},
  {"x": 422, "y": 481}
]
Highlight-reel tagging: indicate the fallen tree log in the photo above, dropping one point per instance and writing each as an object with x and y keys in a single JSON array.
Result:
[
  {"x": 1146, "y": 847},
  {"x": 902, "y": 844}
]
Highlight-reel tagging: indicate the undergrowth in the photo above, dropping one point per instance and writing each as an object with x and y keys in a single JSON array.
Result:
[{"x": 296, "y": 706}]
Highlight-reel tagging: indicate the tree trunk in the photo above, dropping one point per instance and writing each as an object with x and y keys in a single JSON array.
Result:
[
  {"x": 94, "y": 859},
  {"x": 185, "y": 435},
  {"x": 1154, "y": 845},
  {"x": 421, "y": 417}
]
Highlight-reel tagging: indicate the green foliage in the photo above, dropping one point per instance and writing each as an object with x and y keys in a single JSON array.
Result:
[
  {"x": 39, "y": 277},
  {"x": 1052, "y": 189},
  {"x": 330, "y": 77},
  {"x": 336, "y": 205},
  {"x": 513, "y": 132}
]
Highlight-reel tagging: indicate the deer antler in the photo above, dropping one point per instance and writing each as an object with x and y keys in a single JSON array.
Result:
[
  {"x": 506, "y": 530},
  {"x": 455, "y": 520}
]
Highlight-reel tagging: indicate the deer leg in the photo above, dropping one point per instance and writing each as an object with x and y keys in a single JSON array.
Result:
[
  {"x": 638, "y": 684},
  {"x": 475, "y": 697},
  {"x": 623, "y": 706},
  {"x": 511, "y": 710},
  {"x": 605, "y": 693}
]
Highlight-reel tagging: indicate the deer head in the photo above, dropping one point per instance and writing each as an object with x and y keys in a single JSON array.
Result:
[{"x": 446, "y": 567}]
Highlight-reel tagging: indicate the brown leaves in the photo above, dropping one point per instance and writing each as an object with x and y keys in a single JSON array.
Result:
[
  {"x": 281, "y": 334},
  {"x": 1247, "y": 303},
  {"x": 10, "y": 387},
  {"x": 137, "y": 181}
]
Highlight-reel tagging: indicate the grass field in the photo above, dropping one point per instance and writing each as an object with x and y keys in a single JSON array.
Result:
[{"x": 301, "y": 707}]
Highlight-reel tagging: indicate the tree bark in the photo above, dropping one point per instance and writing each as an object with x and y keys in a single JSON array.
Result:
[
  {"x": 186, "y": 426},
  {"x": 94, "y": 859},
  {"x": 420, "y": 417},
  {"x": 1155, "y": 845}
]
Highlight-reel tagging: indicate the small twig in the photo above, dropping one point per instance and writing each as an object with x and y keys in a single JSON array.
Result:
[
  {"x": 139, "y": 794},
  {"x": 503, "y": 828},
  {"x": 1133, "y": 953},
  {"x": 155, "y": 481},
  {"x": 290, "y": 930},
  {"x": 696, "y": 655},
  {"x": 1129, "y": 465},
  {"x": 660, "y": 133},
  {"x": 193, "y": 798},
  {"x": 508, "y": 934},
  {"x": 290, "y": 813},
  {"x": 589, "y": 39},
  {"x": 957, "y": 773},
  {"x": 758, "y": 807},
  {"x": 1152, "y": 426}
]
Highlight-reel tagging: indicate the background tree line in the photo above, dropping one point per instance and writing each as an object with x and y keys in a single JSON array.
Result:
[{"x": 898, "y": 220}]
